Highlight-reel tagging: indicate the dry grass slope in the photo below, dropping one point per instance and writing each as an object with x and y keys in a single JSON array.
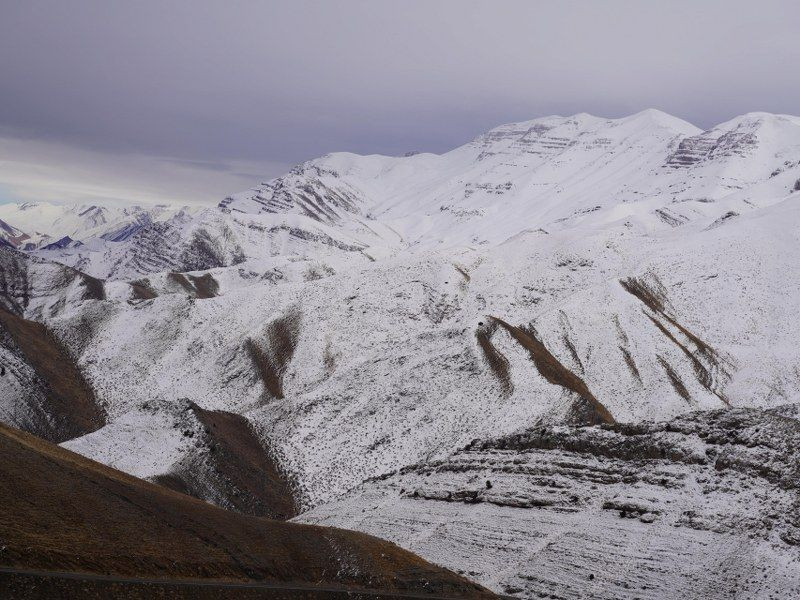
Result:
[
  {"x": 64, "y": 512},
  {"x": 242, "y": 467},
  {"x": 72, "y": 407}
]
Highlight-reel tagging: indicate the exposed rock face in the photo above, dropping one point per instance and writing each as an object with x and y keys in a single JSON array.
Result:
[
  {"x": 705, "y": 505},
  {"x": 711, "y": 145},
  {"x": 316, "y": 192}
]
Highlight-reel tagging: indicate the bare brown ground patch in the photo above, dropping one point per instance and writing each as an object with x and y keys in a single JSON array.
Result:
[
  {"x": 252, "y": 481},
  {"x": 675, "y": 380},
  {"x": 497, "y": 362},
  {"x": 205, "y": 285},
  {"x": 201, "y": 287},
  {"x": 631, "y": 363},
  {"x": 95, "y": 289},
  {"x": 64, "y": 512},
  {"x": 181, "y": 280},
  {"x": 70, "y": 585},
  {"x": 653, "y": 299},
  {"x": 272, "y": 356},
  {"x": 656, "y": 302},
  {"x": 71, "y": 409},
  {"x": 587, "y": 410},
  {"x": 572, "y": 350},
  {"x": 463, "y": 272},
  {"x": 141, "y": 289}
]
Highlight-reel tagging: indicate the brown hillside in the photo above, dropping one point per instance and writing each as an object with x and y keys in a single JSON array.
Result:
[{"x": 64, "y": 512}]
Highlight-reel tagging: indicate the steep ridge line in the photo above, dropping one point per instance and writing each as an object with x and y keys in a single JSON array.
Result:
[
  {"x": 587, "y": 410},
  {"x": 250, "y": 478},
  {"x": 72, "y": 409},
  {"x": 17, "y": 288}
]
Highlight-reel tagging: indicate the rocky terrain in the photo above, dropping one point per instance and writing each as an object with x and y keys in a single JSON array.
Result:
[
  {"x": 574, "y": 281},
  {"x": 701, "y": 506}
]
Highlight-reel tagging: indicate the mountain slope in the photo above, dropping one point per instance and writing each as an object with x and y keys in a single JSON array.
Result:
[
  {"x": 44, "y": 392},
  {"x": 366, "y": 370},
  {"x": 112, "y": 524},
  {"x": 360, "y": 316},
  {"x": 703, "y": 506},
  {"x": 554, "y": 173}
]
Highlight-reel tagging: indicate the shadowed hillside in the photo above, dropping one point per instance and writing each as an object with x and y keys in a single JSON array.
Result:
[{"x": 65, "y": 513}]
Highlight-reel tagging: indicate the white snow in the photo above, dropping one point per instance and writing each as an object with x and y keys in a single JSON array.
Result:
[{"x": 390, "y": 265}]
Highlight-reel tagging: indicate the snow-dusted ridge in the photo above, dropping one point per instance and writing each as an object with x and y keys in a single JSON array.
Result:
[
  {"x": 45, "y": 226},
  {"x": 650, "y": 168},
  {"x": 363, "y": 314}
]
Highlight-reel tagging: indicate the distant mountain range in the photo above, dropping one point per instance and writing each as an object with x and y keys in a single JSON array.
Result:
[{"x": 57, "y": 227}]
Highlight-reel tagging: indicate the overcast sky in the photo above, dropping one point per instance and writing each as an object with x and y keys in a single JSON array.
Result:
[{"x": 189, "y": 101}]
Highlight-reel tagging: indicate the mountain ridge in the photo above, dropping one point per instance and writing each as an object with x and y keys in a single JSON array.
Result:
[
  {"x": 361, "y": 317},
  {"x": 407, "y": 202}
]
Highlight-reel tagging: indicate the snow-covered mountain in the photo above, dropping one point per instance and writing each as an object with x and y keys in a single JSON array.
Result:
[
  {"x": 45, "y": 226},
  {"x": 373, "y": 322},
  {"x": 554, "y": 173}
]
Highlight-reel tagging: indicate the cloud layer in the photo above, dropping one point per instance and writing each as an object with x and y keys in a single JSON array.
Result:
[{"x": 181, "y": 99}]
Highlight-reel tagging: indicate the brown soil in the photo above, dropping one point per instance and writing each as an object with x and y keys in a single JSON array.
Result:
[
  {"x": 572, "y": 350},
  {"x": 587, "y": 410},
  {"x": 181, "y": 280},
  {"x": 64, "y": 512},
  {"x": 271, "y": 359},
  {"x": 48, "y": 585},
  {"x": 71, "y": 408},
  {"x": 251, "y": 479},
  {"x": 142, "y": 290},
  {"x": 656, "y": 302},
  {"x": 94, "y": 288},
  {"x": 653, "y": 299},
  {"x": 497, "y": 362},
  {"x": 675, "y": 380},
  {"x": 631, "y": 363},
  {"x": 201, "y": 287},
  {"x": 463, "y": 272},
  {"x": 205, "y": 285}
]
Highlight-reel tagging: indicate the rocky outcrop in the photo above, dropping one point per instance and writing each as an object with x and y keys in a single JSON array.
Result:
[{"x": 704, "y": 505}]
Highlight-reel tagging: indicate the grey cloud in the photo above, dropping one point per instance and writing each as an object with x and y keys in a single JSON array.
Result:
[{"x": 281, "y": 82}]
